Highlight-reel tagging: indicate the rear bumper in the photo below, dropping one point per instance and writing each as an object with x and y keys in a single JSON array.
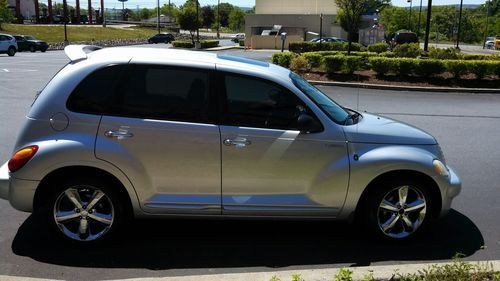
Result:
[{"x": 20, "y": 193}]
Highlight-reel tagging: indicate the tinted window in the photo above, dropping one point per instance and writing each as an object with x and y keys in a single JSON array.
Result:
[
  {"x": 252, "y": 102},
  {"x": 159, "y": 92},
  {"x": 95, "y": 93}
]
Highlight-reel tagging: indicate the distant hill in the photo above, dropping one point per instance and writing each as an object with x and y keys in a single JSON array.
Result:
[
  {"x": 245, "y": 8},
  {"x": 465, "y": 6}
]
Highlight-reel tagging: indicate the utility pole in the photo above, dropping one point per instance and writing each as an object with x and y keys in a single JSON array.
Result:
[
  {"x": 459, "y": 23},
  {"x": 65, "y": 11},
  {"x": 218, "y": 19},
  {"x": 158, "y": 15},
  {"x": 409, "y": 16},
  {"x": 320, "y": 29},
  {"x": 486, "y": 29},
  {"x": 419, "y": 17},
  {"x": 427, "y": 26},
  {"x": 197, "y": 22}
]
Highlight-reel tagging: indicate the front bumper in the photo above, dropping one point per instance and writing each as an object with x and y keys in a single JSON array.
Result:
[
  {"x": 450, "y": 189},
  {"x": 20, "y": 193}
]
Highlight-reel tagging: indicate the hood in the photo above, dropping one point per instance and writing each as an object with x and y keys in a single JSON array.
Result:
[
  {"x": 376, "y": 129},
  {"x": 36, "y": 41}
]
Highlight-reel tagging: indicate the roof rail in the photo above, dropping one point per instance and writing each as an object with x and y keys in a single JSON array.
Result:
[{"x": 79, "y": 52}]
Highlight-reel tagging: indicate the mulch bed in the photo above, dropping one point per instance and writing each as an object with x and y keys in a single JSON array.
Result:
[{"x": 443, "y": 80}]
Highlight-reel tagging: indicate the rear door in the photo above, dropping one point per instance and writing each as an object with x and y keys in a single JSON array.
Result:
[
  {"x": 4, "y": 43},
  {"x": 161, "y": 134}
]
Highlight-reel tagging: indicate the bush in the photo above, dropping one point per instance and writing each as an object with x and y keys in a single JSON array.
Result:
[
  {"x": 411, "y": 50},
  {"x": 299, "y": 64},
  {"x": 380, "y": 65},
  {"x": 378, "y": 47},
  {"x": 183, "y": 44},
  {"x": 283, "y": 59},
  {"x": 313, "y": 58},
  {"x": 333, "y": 64},
  {"x": 209, "y": 43},
  {"x": 351, "y": 64},
  {"x": 303, "y": 47},
  {"x": 444, "y": 54},
  {"x": 456, "y": 67},
  {"x": 404, "y": 66},
  {"x": 241, "y": 42},
  {"x": 480, "y": 57},
  {"x": 429, "y": 67},
  {"x": 480, "y": 68},
  {"x": 387, "y": 55}
]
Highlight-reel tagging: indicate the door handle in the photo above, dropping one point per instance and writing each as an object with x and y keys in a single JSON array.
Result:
[
  {"x": 238, "y": 142},
  {"x": 118, "y": 134}
]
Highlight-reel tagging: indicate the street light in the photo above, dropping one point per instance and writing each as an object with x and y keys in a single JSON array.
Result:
[
  {"x": 459, "y": 23},
  {"x": 158, "y": 15},
  {"x": 218, "y": 18},
  {"x": 197, "y": 21},
  {"x": 427, "y": 26},
  {"x": 409, "y": 17}
]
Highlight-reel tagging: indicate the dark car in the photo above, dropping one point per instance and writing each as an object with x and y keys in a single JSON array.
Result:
[
  {"x": 402, "y": 37},
  {"x": 27, "y": 42},
  {"x": 161, "y": 38}
]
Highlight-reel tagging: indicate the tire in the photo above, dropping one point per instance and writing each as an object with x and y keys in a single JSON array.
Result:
[
  {"x": 43, "y": 50},
  {"x": 390, "y": 215},
  {"x": 75, "y": 216},
  {"x": 32, "y": 49},
  {"x": 11, "y": 51}
]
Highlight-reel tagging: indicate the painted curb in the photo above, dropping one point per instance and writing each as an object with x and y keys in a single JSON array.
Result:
[
  {"x": 406, "y": 88},
  {"x": 381, "y": 272}
]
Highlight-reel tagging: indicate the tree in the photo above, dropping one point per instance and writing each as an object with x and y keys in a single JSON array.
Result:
[
  {"x": 5, "y": 13},
  {"x": 349, "y": 17},
  {"x": 207, "y": 16},
  {"x": 188, "y": 21},
  {"x": 237, "y": 19},
  {"x": 225, "y": 10},
  {"x": 145, "y": 13}
]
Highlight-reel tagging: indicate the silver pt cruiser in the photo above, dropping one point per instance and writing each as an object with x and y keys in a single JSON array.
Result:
[{"x": 127, "y": 132}]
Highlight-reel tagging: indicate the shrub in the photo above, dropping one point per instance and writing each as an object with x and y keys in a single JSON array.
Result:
[
  {"x": 209, "y": 43},
  {"x": 411, "y": 50},
  {"x": 313, "y": 58},
  {"x": 380, "y": 65},
  {"x": 183, "y": 44},
  {"x": 351, "y": 64},
  {"x": 378, "y": 47},
  {"x": 456, "y": 67},
  {"x": 404, "y": 66},
  {"x": 241, "y": 42},
  {"x": 387, "y": 55},
  {"x": 429, "y": 67},
  {"x": 302, "y": 47},
  {"x": 333, "y": 64},
  {"x": 299, "y": 64},
  {"x": 283, "y": 59},
  {"x": 480, "y": 57},
  {"x": 444, "y": 54},
  {"x": 480, "y": 68}
]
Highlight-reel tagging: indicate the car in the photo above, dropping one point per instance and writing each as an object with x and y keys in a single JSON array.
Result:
[
  {"x": 132, "y": 132},
  {"x": 489, "y": 43},
  {"x": 329, "y": 39},
  {"x": 402, "y": 37},
  {"x": 161, "y": 38},
  {"x": 30, "y": 43},
  {"x": 237, "y": 37},
  {"x": 8, "y": 45}
]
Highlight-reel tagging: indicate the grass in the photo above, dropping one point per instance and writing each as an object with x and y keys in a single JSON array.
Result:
[{"x": 55, "y": 34}]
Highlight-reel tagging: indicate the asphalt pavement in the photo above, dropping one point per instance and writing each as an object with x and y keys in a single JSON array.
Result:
[{"x": 466, "y": 125}]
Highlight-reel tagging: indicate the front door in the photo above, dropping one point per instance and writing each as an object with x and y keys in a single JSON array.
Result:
[
  {"x": 268, "y": 166},
  {"x": 161, "y": 135}
]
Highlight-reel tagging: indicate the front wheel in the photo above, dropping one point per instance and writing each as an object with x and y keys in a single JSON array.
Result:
[
  {"x": 11, "y": 51},
  {"x": 399, "y": 210},
  {"x": 32, "y": 49},
  {"x": 84, "y": 210}
]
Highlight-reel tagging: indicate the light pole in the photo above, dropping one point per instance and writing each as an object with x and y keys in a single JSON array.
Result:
[
  {"x": 409, "y": 16},
  {"x": 459, "y": 23},
  {"x": 486, "y": 29},
  {"x": 158, "y": 15},
  {"x": 419, "y": 17},
  {"x": 197, "y": 22},
  {"x": 427, "y": 26},
  {"x": 320, "y": 30},
  {"x": 65, "y": 11},
  {"x": 218, "y": 18}
]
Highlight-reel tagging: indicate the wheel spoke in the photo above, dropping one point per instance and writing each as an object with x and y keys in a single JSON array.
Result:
[
  {"x": 403, "y": 193},
  {"x": 407, "y": 222},
  {"x": 389, "y": 224},
  {"x": 74, "y": 197},
  {"x": 388, "y": 206},
  {"x": 84, "y": 226},
  {"x": 102, "y": 218},
  {"x": 95, "y": 198},
  {"x": 415, "y": 206},
  {"x": 64, "y": 216}
]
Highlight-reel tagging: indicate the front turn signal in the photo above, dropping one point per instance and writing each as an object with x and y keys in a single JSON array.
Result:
[{"x": 21, "y": 157}]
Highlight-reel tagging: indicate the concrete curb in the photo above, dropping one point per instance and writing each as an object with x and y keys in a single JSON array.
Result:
[
  {"x": 406, "y": 88},
  {"x": 382, "y": 272}
]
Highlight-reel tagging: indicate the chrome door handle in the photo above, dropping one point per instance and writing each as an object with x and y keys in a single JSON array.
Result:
[
  {"x": 118, "y": 134},
  {"x": 239, "y": 142}
]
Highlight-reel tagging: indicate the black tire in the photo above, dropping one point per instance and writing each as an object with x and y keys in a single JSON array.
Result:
[
  {"x": 43, "y": 50},
  {"x": 32, "y": 49},
  {"x": 11, "y": 51},
  {"x": 374, "y": 217},
  {"x": 57, "y": 199}
]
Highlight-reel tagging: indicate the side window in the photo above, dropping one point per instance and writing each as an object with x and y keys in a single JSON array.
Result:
[
  {"x": 168, "y": 93},
  {"x": 95, "y": 93},
  {"x": 252, "y": 102}
]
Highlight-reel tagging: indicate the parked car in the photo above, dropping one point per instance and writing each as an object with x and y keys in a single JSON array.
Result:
[
  {"x": 489, "y": 43},
  {"x": 161, "y": 38},
  {"x": 237, "y": 37},
  {"x": 8, "y": 45},
  {"x": 133, "y": 132},
  {"x": 329, "y": 39},
  {"x": 30, "y": 43},
  {"x": 402, "y": 37}
]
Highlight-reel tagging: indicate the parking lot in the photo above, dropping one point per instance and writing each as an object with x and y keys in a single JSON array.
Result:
[{"x": 466, "y": 125}]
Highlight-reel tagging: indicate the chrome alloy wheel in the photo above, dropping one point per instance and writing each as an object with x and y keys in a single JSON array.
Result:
[
  {"x": 83, "y": 213},
  {"x": 401, "y": 211}
]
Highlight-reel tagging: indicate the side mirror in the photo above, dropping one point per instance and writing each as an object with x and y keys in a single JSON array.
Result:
[{"x": 307, "y": 124}]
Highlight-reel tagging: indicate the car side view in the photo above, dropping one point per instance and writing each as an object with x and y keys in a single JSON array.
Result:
[
  {"x": 121, "y": 133},
  {"x": 8, "y": 45},
  {"x": 30, "y": 43}
]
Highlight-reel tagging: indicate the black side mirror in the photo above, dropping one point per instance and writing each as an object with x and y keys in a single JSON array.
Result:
[{"x": 307, "y": 124}]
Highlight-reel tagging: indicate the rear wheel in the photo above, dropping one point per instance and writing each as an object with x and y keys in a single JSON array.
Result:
[
  {"x": 11, "y": 51},
  {"x": 84, "y": 210},
  {"x": 32, "y": 49}
]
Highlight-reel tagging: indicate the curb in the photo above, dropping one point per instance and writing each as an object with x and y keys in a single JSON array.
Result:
[
  {"x": 407, "y": 88},
  {"x": 381, "y": 272}
]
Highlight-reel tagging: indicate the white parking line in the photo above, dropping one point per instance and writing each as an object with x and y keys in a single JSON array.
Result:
[{"x": 6, "y": 70}]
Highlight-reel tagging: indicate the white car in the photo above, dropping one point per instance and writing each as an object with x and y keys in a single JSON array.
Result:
[
  {"x": 8, "y": 45},
  {"x": 238, "y": 37}
]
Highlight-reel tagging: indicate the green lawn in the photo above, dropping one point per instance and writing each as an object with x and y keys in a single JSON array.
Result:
[{"x": 54, "y": 34}]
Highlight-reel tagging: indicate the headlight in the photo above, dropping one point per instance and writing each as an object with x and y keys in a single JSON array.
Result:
[{"x": 440, "y": 168}]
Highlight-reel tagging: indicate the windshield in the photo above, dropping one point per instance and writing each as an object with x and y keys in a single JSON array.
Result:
[
  {"x": 29, "y": 38},
  {"x": 331, "y": 108}
]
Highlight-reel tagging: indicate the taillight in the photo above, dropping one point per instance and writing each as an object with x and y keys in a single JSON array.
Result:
[{"x": 21, "y": 157}]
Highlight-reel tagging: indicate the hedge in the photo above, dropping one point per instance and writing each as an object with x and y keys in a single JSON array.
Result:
[
  {"x": 378, "y": 47},
  {"x": 189, "y": 44},
  {"x": 429, "y": 67},
  {"x": 283, "y": 59},
  {"x": 183, "y": 44},
  {"x": 241, "y": 42},
  {"x": 411, "y": 50},
  {"x": 209, "y": 43},
  {"x": 302, "y": 47},
  {"x": 346, "y": 64}
]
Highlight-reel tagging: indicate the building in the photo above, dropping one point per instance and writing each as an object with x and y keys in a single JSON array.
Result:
[
  {"x": 300, "y": 19},
  {"x": 23, "y": 9}
]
